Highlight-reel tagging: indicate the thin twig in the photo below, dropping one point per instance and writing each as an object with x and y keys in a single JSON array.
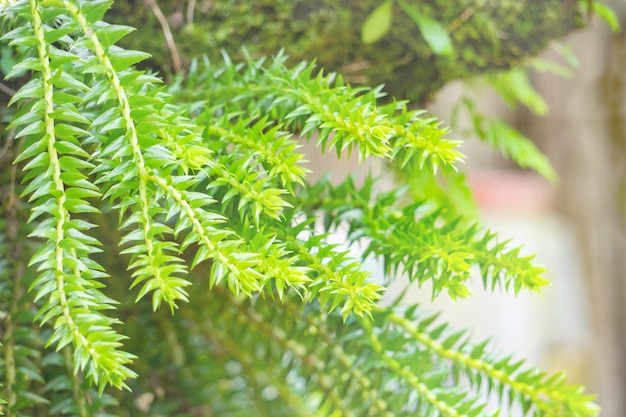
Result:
[
  {"x": 169, "y": 38},
  {"x": 13, "y": 198},
  {"x": 7, "y": 144},
  {"x": 190, "y": 8},
  {"x": 8, "y": 90},
  {"x": 461, "y": 19}
]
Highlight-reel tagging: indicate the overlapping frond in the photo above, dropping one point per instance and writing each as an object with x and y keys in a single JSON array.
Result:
[
  {"x": 307, "y": 101},
  {"x": 287, "y": 359},
  {"x": 21, "y": 344},
  {"x": 67, "y": 392},
  {"x": 532, "y": 391},
  {"x": 510, "y": 142}
]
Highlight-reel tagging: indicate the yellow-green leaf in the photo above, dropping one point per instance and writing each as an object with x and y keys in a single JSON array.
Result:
[
  {"x": 377, "y": 23},
  {"x": 435, "y": 35}
]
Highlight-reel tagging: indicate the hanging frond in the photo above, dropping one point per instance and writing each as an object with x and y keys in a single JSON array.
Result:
[
  {"x": 287, "y": 358},
  {"x": 535, "y": 392},
  {"x": 510, "y": 142},
  {"x": 416, "y": 240},
  {"x": 307, "y": 101},
  {"x": 58, "y": 186}
]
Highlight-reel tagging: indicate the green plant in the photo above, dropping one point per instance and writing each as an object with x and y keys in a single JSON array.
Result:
[
  {"x": 201, "y": 185},
  {"x": 378, "y": 23}
]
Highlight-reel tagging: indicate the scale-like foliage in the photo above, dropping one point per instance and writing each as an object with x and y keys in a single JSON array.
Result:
[{"x": 209, "y": 191}]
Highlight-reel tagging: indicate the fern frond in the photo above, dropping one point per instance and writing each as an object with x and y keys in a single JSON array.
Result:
[
  {"x": 514, "y": 145},
  {"x": 255, "y": 191},
  {"x": 153, "y": 261},
  {"x": 149, "y": 153},
  {"x": 68, "y": 392},
  {"x": 338, "y": 279},
  {"x": 259, "y": 379},
  {"x": 400, "y": 363},
  {"x": 21, "y": 344},
  {"x": 534, "y": 391},
  {"x": 515, "y": 87},
  {"x": 369, "y": 379},
  {"x": 303, "y": 358},
  {"x": 274, "y": 149},
  {"x": 58, "y": 186},
  {"x": 21, "y": 364},
  {"x": 418, "y": 241},
  {"x": 343, "y": 117}
]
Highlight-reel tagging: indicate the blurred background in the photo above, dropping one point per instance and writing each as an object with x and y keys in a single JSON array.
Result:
[{"x": 576, "y": 227}]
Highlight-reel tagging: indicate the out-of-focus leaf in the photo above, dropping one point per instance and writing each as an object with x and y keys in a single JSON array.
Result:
[
  {"x": 435, "y": 35},
  {"x": 377, "y": 23}
]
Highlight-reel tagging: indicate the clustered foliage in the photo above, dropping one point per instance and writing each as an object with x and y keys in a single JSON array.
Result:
[{"x": 201, "y": 186}]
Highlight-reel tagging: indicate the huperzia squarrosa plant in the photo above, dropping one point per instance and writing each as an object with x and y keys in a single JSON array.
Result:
[{"x": 163, "y": 252}]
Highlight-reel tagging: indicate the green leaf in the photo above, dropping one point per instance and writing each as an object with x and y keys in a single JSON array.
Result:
[
  {"x": 377, "y": 23},
  {"x": 69, "y": 148},
  {"x": 110, "y": 34},
  {"x": 70, "y": 163},
  {"x": 435, "y": 35},
  {"x": 32, "y": 89},
  {"x": 64, "y": 80},
  {"x": 37, "y": 128},
  {"x": 603, "y": 11},
  {"x": 123, "y": 58},
  {"x": 95, "y": 9},
  {"x": 64, "y": 98},
  {"x": 607, "y": 14},
  {"x": 7, "y": 59},
  {"x": 514, "y": 145},
  {"x": 68, "y": 115},
  {"x": 514, "y": 86},
  {"x": 27, "y": 64},
  {"x": 54, "y": 35},
  {"x": 211, "y": 164}
]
